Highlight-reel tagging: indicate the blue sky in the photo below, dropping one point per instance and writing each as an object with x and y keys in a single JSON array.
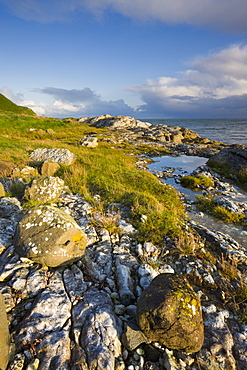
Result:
[{"x": 143, "y": 58}]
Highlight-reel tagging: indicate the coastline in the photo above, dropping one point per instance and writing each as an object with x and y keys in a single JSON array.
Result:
[{"x": 83, "y": 315}]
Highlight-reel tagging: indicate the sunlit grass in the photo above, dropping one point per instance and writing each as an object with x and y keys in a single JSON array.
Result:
[{"x": 106, "y": 170}]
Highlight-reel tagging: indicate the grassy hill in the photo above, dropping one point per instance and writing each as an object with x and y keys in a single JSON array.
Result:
[
  {"x": 106, "y": 170},
  {"x": 7, "y": 105}
]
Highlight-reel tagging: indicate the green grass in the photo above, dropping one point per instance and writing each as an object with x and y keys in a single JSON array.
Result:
[
  {"x": 196, "y": 182},
  {"x": 105, "y": 170},
  {"x": 207, "y": 204},
  {"x": 7, "y": 105}
]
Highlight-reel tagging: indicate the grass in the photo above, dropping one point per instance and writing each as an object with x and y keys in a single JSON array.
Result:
[
  {"x": 207, "y": 204},
  {"x": 105, "y": 170},
  {"x": 225, "y": 169},
  {"x": 196, "y": 182},
  {"x": 7, "y": 105}
]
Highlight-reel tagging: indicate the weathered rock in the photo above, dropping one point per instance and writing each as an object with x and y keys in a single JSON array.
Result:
[
  {"x": 44, "y": 189},
  {"x": 4, "y": 337},
  {"x": 100, "y": 329},
  {"x": 49, "y": 236},
  {"x": 133, "y": 337},
  {"x": 235, "y": 157},
  {"x": 169, "y": 312},
  {"x": 117, "y": 122},
  {"x": 63, "y": 156},
  {"x": 54, "y": 350},
  {"x": 89, "y": 141},
  {"x": 49, "y": 168},
  {"x": 50, "y": 312},
  {"x": 26, "y": 172}
]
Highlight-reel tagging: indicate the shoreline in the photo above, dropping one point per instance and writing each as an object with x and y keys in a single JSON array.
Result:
[{"x": 82, "y": 315}]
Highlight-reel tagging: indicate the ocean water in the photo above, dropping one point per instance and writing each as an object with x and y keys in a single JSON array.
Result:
[{"x": 228, "y": 131}]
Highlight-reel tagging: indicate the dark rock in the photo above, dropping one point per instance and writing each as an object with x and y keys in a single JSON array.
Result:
[
  {"x": 133, "y": 337},
  {"x": 235, "y": 157},
  {"x": 169, "y": 312}
]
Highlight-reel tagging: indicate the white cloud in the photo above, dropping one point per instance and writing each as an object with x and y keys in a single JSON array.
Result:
[
  {"x": 228, "y": 15},
  {"x": 208, "y": 88}
]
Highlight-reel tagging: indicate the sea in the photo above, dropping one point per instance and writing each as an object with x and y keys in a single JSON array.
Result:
[{"x": 228, "y": 131}]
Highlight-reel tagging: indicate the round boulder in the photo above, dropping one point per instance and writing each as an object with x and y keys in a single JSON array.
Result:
[
  {"x": 169, "y": 312},
  {"x": 4, "y": 337},
  {"x": 44, "y": 189},
  {"x": 49, "y": 236}
]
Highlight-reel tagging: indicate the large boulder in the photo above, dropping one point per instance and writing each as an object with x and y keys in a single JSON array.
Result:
[
  {"x": 63, "y": 156},
  {"x": 44, "y": 189},
  {"x": 235, "y": 157},
  {"x": 49, "y": 236},
  {"x": 4, "y": 337},
  {"x": 169, "y": 312}
]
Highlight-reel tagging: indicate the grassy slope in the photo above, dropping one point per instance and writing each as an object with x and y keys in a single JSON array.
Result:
[
  {"x": 104, "y": 170},
  {"x": 7, "y": 105}
]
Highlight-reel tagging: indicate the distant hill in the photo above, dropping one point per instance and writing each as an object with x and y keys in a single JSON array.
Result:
[{"x": 7, "y": 105}]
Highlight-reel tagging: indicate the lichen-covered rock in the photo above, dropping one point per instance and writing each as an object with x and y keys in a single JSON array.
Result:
[
  {"x": 4, "y": 337},
  {"x": 27, "y": 171},
  {"x": 169, "y": 312},
  {"x": 63, "y": 156},
  {"x": 44, "y": 189},
  {"x": 49, "y": 236},
  {"x": 89, "y": 141},
  {"x": 50, "y": 312}
]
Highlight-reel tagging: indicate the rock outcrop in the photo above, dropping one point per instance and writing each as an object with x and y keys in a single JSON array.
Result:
[
  {"x": 235, "y": 158},
  {"x": 116, "y": 122},
  {"x": 169, "y": 312},
  {"x": 49, "y": 236}
]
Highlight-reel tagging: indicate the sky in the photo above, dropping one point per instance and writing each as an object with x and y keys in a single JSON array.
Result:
[{"x": 141, "y": 58}]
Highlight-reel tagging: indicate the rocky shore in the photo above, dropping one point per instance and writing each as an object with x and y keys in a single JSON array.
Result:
[{"x": 80, "y": 297}]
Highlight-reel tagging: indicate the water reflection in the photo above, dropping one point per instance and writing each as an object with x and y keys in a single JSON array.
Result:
[{"x": 185, "y": 165}]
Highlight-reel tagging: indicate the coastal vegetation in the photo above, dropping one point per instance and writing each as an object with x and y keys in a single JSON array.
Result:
[
  {"x": 107, "y": 171},
  {"x": 207, "y": 204},
  {"x": 196, "y": 182}
]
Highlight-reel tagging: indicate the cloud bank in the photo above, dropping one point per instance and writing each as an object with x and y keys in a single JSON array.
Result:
[
  {"x": 70, "y": 103},
  {"x": 226, "y": 15},
  {"x": 214, "y": 86}
]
